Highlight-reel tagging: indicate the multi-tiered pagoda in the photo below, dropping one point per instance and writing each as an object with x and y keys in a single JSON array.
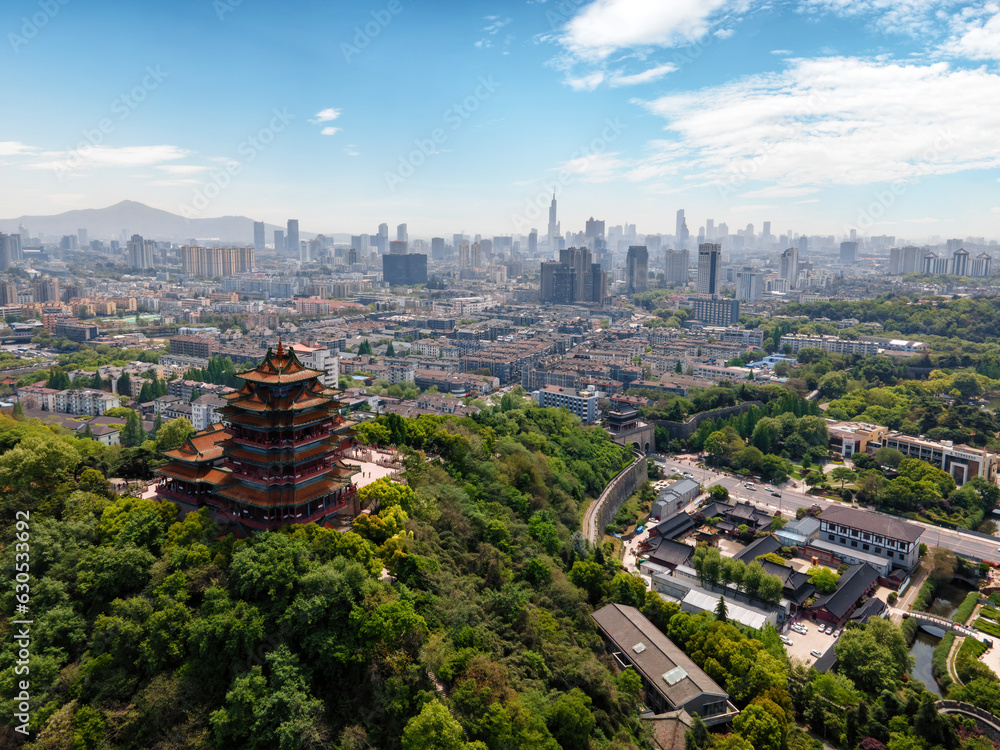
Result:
[{"x": 279, "y": 459}]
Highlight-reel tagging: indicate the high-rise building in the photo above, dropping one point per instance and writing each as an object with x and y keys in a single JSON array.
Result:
[
  {"x": 437, "y": 248},
  {"x": 681, "y": 233},
  {"x": 10, "y": 250},
  {"x": 404, "y": 269},
  {"x": 382, "y": 239},
  {"x": 803, "y": 244},
  {"x": 960, "y": 262},
  {"x": 848, "y": 252},
  {"x": 258, "y": 236},
  {"x": 47, "y": 290},
  {"x": 279, "y": 241},
  {"x": 905, "y": 260},
  {"x": 981, "y": 265},
  {"x": 533, "y": 243},
  {"x": 212, "y": 262},
  {"x": 709, "y": 229},
  {"x": 788, "y": 266},
  {"x": 8, "y": 294},
  {"x": 749, "y": 284},
  {"x": 397, "y": 247},
  {"x": 574, "y": 278},
  {"x": 141, "y": 253},
  {"x": 553, "y": 226},
  {"x": 578, "y": 260},
  {"x": 594, "y": 229},
  {"x": 765, "y": 233},
  {"x": 677, "y": 264},
  {"x": 401, "y": 234},
  {"x": 81, "y": 236},
  {"x": 305, "y": 251},
  {"x": 292, "y": 236},
  {"x": 933, "y": 263},
  {"x": 636, "y": 269},
  {"x": 709, "y": 267}
]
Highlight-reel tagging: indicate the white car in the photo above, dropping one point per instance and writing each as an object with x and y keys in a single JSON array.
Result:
[
  {"x": 786, "y": 640},
  {"x": 836, "y": 634},
  {"x": 816, "y": 653},
  {"x": 822, "y": 628}
]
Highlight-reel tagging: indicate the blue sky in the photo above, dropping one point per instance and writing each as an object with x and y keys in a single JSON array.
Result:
[{"x": 819, "y": 115}]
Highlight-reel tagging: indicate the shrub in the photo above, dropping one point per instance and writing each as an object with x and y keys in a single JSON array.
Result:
[
  {"x": 965, "y": 609},
  {"x": 925, "y": 596},
  {"x": 892, "y": 598},
  {"x": 987, "y": 626}
]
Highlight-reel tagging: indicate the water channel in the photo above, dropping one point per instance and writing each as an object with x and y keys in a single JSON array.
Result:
[{"x": 947, "y": 599}]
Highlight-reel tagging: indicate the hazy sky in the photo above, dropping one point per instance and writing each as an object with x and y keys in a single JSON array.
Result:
[{"x": 818, "y": 115}]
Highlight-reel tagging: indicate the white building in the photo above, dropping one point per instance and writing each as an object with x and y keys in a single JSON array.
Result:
[
  {"x": 322, "y": 359},
  {"x": 581, "y": 403},
  {"x": 206, "y": 410}
]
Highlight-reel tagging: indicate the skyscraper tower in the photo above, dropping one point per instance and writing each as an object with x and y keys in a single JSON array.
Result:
[
  {"x": 258, "y": 236},
  {"x": 789, "y": 266},
  {"x": 681, "y": 233},
  {"x": 709, "y": 229},
  {"x": 636, "y": 269},
  {"x": 292, "y": 240},
  {"x": 533, "y": 243},
  {"x": 677, "y": 262},
  {"x": 709, "y": 268},
  {"x": 401, "y": 234},
  {"x": 279, "y": 241},
  {"x": 553, "y": 226},
  {"x": 382, "y": 239}
]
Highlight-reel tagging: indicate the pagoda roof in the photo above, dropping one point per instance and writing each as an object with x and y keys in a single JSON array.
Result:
[
  {"x": 281, "y": 366},
  {"x": 187, "y": 473},
  {"x": 262, "y": 421},
  {"x": 279, "y": 454},
  {"x": 201, "y": 446},
  {"x": 281, "y": 494}
]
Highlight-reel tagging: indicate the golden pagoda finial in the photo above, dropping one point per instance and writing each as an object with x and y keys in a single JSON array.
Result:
[{"x": 281, "y": 349}]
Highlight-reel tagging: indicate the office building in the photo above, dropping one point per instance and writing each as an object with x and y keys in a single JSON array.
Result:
[
  {"x": 715, "y": 312},
  {"x": 279, "y": 240},
  {"x": 848, "y": 252},
  {"x": 437, "y": 248},
  {"x": 788, "y": 266},
  {"x": 574, "y": 278},
  {"x": 749, "y": 284},
  {"x": 404, "y": 269},
  {"x": 636, "y": 269},
  {"x": 677, "y": 264},
  {"x": 581, "y": 403},
  {"x": 8, "y": 294},
  {"x": 397, "y": 247},
  {"x": 533, "y": 243},
  {"x": 47, "y": 290},
  {"x": 594, "y": 229},
  {"x": 140, "y": 253},
  {"x": 709, "y": 267},
  {"x": 578, "y": 259},
  {"x": 933, "y": 263},
  {"x": 10, "y": 250},
  {"x": 258, "y": 236},
  {"x": 962, "y": 462},
  {"x": 292, "y": 236},
  {"x": 401, "y": 234},
  {"x": 81, "y": 237}
]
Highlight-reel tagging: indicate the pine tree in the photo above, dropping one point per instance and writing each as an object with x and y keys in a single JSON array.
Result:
[
  {"x": 18, "y": 412},
  {"x": 677, "y": 367},
  {"x": 721, "y": 613},
  {"x": 88, "y": 432},
  {"x": 390, "y": 352},
  {"x": 97, "y": 382},
  {"x": 157, "y": 424},
  {"x": 125, "y": 385}
]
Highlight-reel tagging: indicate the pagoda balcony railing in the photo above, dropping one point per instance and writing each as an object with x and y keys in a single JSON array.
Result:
[
  {"x": 269, "y": 518},
  {"x": 304, "y": 473}
]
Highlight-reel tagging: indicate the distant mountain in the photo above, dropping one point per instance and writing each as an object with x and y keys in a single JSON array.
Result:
[{"x": 138, "y": 218}]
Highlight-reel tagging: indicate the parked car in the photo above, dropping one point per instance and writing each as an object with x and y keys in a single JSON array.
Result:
[
  {"x": 836, "y": 634},
  {"x": 786, "y": 640},
  {"x": 775, "y": 494},
  {"x": 816, "y": 653}
]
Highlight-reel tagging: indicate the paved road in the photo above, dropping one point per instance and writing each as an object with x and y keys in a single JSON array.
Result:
[{"x": 793, "y": 498}]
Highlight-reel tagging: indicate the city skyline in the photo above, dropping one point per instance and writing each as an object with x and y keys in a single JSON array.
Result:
[{"x": 873, "y": 119}]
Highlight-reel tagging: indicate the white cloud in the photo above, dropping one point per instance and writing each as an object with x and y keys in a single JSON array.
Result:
[
  {"x": 646, "y": 76},
  {"x": 780, "y": 191},
  {"x": 596, "y": 167},
  {"x": 182, "y": 168},
  {"x": 106, "y": 156},
  {"x": 329, "y": 131},
  {"x": 781, "y": 52},
  {"x": 912, "y": 17},
  {"x": 831, "y": 121},
  {"x": 325, "y": 115},
  {"x": 723, "y": 33},
  {"x": 587, "y": 82},
  {"x": 14, "y": 148},
  {"x": 174, "y": 183},
  {"x": 608, "y": 25},
  {"x": 976, "y": 34},
  {"x": 351, "y": 150}
]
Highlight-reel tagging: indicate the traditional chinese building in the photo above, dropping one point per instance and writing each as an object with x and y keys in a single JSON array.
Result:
[{"x": 278, "y": 460}]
